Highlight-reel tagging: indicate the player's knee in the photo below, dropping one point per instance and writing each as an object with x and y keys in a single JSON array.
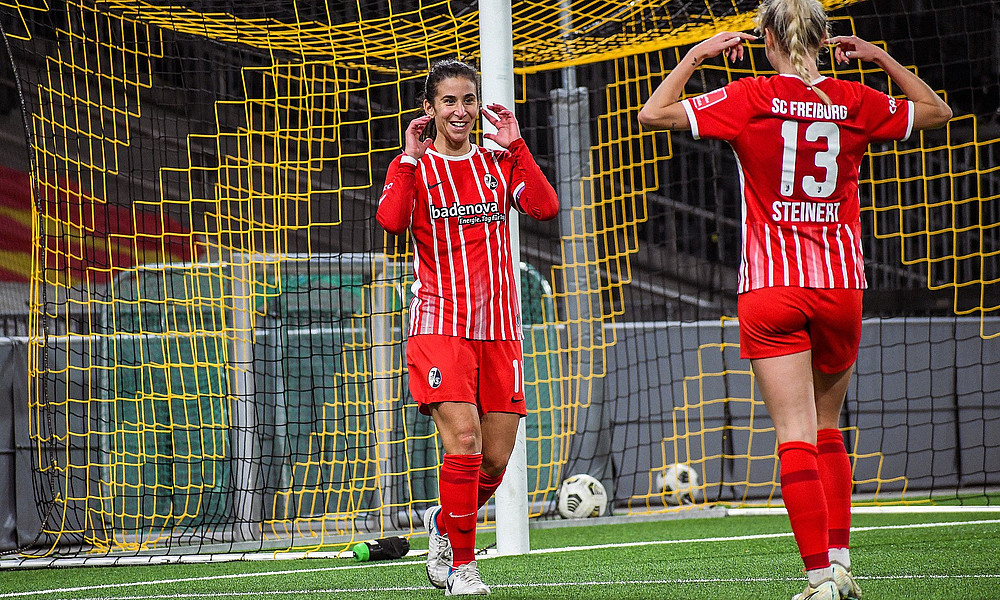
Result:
[
  {"x": 467, "y": 440},
  {"x": 493, "y": 465}
]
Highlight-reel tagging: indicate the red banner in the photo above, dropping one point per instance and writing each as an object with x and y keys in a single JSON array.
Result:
[{"x": 85, "y": 239}]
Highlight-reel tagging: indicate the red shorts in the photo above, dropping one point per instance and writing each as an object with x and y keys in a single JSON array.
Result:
[
  {"x": 487, "y": 373},
  {"x": 784, "y": 320}
]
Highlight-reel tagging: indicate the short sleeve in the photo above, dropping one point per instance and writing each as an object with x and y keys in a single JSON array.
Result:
[
  {"x": 885, "y": 118},
  {"x": 720, "y": 114}
]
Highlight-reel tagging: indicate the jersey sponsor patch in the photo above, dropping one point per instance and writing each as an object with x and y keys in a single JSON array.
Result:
[
  {"x": 706, "y": 100},
  {"x": 468, "y": 214}
]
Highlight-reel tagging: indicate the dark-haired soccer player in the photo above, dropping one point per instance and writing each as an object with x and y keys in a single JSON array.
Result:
[{"x": 463, "y": 353}]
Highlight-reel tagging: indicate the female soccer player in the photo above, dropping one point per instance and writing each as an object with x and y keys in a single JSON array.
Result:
[
  {"x": 799, "y": 139},
  {"x": 463, "y": 354}
]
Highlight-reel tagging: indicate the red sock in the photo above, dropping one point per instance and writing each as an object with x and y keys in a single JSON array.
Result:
[
  {"x": 457, "y": 485},
  {"x": 835, "y": 473},
  {"x": 488, "y": 485},
  {"x": 805, "y": 502}
]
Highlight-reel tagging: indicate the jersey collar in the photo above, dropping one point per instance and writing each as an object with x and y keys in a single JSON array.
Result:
[
  {"x": 813, "y": 82},
  {"x": 465, "y": 156}
]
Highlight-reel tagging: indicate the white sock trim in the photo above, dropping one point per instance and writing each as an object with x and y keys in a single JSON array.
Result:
[
  {"x": 841, "y": 556},
  {"x": 818, "y": 576}
]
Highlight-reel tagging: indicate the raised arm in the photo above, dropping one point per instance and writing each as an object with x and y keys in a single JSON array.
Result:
[
  {"x": 663, "y": 109},
  {"x": 395, "y": 206},
  {"x": 929, "y": 110},
  {"x": 536, "y": 197}
]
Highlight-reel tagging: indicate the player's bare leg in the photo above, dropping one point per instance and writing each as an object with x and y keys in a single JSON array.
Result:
[
  {"x": 499, "y": 431},
  {"x": 458, "y": 426},
  {"x": 786, "y": 383},
  {"x": 830, "y": 391},
  {"x": 451, "y": 528},
  {"x": 835, "y": 471}
]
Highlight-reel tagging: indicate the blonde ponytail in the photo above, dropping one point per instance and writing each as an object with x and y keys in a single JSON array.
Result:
[{"x": 799, "y": 28}]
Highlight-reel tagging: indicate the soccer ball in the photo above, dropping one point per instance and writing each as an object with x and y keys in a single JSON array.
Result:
[
  {"x": 581, "y": 496},
  {"x": 679, "y": 484}
]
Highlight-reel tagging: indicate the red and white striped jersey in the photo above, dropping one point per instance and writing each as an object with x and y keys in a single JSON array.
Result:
[
  {"x": 798, "y": 161},
  {"x": 456, "y": 208}
]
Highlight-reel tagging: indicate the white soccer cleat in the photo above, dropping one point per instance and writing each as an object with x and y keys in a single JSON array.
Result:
[
  {"x": 464, "y": 580},
  {"x": 849, "y": 589},
  {"x": 826, "y": 590},
  {"x": 438, "y": 550}
]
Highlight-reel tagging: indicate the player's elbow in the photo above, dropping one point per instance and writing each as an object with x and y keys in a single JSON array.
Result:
[
  {"x": 933, "y": 116},
  {"x": 646, "y": 118},
  {"x": 395, "y": 226},
  {"x": 545, "y": 211},
  {"x": 944, "y": 114},
  {"x": 670, "y": 117},
  {"x": 543, "y": 204}
]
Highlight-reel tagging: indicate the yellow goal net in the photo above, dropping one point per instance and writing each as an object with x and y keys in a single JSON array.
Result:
[{"x": 216, "y": 323}]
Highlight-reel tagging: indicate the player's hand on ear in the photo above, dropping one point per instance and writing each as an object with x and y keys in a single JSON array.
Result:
[
  {"x": 413, "y": 145},
  {"x": 506, "y": 123},
  {"x": 728, "y": 42},
  {"x": 851, "y": 47}
]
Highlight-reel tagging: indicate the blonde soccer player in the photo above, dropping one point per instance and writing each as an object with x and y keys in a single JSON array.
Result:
[
  {"x": 799, "y": 139},
  {"x": 463, "y": 351}
]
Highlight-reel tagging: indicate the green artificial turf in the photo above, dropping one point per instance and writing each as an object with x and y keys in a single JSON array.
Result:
[{"x": 894, "y": 555}]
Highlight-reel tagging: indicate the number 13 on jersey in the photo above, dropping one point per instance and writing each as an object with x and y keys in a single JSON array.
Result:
[{"x": 823, "y": 159}]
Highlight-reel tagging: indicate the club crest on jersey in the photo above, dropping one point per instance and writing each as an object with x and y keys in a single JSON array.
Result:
[
  {"x": 706, "y": 100},
  {"x": 490, "y": 181},
  {"x": 434, "y": 377}
]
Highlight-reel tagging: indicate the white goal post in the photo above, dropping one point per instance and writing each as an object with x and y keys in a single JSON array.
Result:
[{"x": 497, "y": 51}]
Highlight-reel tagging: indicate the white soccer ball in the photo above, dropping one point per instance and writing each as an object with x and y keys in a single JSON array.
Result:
[
  {"x": 679, "y": 484},
  {"x": 582, "y": 496}
]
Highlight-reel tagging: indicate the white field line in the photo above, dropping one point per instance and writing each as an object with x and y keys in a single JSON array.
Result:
[
  {"x": 872, "y": 510},
  {"x": 559, "y": 584},
  {"x": 389, "y": 564},
  {"x": 759, "y": 536}
]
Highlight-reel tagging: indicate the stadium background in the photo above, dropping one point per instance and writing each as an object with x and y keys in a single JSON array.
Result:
[{"x": 202, "y": 321}]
